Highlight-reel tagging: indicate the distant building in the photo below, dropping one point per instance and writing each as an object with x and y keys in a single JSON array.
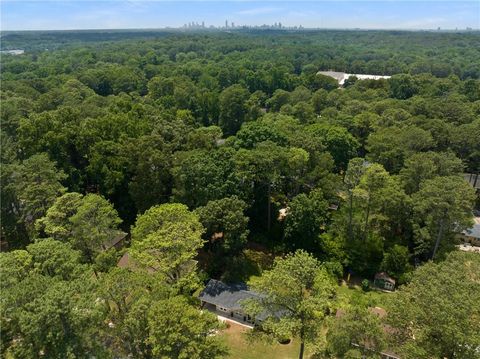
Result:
[
  {"x": 341, "y": 77},
  {"x": 13, "y": 52},
  {"x": 383, "y": 281}
]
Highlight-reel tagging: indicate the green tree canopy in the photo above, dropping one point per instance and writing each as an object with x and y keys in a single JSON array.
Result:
[
  {"x": 436, "y": 314},
  {"x": 165, "y": 239},
  {"x": 225, "y": 223},
  {"x": 442, "y": 206},
  {"x": 295, "y": 296}
]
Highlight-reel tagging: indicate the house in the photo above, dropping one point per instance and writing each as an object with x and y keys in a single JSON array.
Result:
[
  {"x": 226, "y": 299},
  {"x": 472, "y": 235},
  {"x": 383, "y": 281},
  {"x": 341, "y": 77}
]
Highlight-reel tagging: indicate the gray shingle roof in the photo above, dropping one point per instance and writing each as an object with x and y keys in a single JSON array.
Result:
[
  {"x": 473, "y": 232},
  {"x": 228, "y": 296}
]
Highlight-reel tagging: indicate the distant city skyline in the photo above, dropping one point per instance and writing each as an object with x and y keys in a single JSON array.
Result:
[{"x": 138, "y": 14}]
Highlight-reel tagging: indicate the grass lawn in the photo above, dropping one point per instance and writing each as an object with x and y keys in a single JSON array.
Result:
[
  {"x": 374, "y": 298},
  {"x": 241, "y": 348}
]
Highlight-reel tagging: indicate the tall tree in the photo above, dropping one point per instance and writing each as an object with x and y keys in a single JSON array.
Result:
[
  {"x": 359, "y": 326},
  {"x": 443, "y": 205},
  {"x": 225, "y": 224},
  {"x": 355, "y": 170},
  {"x": 36, "y": 183},
  {"x": 49, "y": 307},
  {"x": 86, "y": 222},
  {"x": 233, "y": 108},
  {"x": 178, "y": 330},
  {"x": 56, "y": 222},
  {"x": 422, "y": 166},
  {"x": 436, "y": 314},
  {"x": 306, "y": 218},
  {"x": 165, "y": 239},
  {"x": 295, "y": 296}
]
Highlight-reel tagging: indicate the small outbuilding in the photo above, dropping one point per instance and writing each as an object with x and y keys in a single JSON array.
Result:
[{"x": 383, "y": 281}]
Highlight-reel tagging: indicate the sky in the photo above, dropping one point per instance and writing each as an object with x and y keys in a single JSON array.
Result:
[{"x": 126, "y": 14}]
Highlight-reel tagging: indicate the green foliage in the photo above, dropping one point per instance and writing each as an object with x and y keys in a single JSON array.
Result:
[
  {"x": 305, "y": 220},
  {"x": 233, "y": 109},
  {"x": 165, "y": 239},
  {"x": 442, "y": 206},
  {"x": 444, "y": 326},
  {"x": 48, "y": 304},
  {"x": 358, "y": 325},
  {"x": 88, "y": 222},
  {"x": 402, "y": 87},
  {"x": 201, "y": 176},
  {"x": 338, "y": 141},
  {"x": 297, "y": 294},
  {"x": 366, "y": 285},
  {"x": 36, "y": 183},
  {"x": 235, "y": 126},
  {"x": 422, "y": 166},
  {"x": 56, "y": 222},
  {"x": 179, "y": 330},
  {"x": 396, "y": 262},
  {"x": 225, "y": 224}
]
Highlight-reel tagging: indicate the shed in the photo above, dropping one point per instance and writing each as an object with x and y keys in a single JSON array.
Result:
[{"x": 384, "y": 281}]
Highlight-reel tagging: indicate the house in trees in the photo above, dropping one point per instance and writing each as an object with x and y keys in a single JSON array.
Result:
[
  {"x": 225, "y": 300},
  {"x": 117, "y": 242},
  {"x": 383, "y": 281},
  {"x": 472, "y": 235}
]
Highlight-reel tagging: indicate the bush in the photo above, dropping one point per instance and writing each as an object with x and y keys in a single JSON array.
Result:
[{"x": 366, "y": 285}]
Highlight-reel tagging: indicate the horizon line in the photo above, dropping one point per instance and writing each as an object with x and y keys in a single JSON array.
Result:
[{"x": 252, "y": 27}]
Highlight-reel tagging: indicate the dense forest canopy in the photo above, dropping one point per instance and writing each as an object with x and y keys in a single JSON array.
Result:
[{"x": 225, "y": 149}]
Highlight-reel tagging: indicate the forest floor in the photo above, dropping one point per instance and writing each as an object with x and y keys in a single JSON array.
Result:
[{"x": 242, "y": 348}]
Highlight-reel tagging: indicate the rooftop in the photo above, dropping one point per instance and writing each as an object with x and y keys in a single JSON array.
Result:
[
  {"x": 341, "y": 77},
  {"x": 473, "y": 231},
  {"x": 227, "y": 296}
]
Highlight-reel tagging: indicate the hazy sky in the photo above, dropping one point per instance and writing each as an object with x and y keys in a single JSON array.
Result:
[{"x": 389, "y": 14}]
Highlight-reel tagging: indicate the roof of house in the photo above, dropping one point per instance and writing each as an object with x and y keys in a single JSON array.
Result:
[
  {"x": 227, "y": 296},
  {"x": 120, "y": 236},
  {"x": 384, "y": 276},
  {"x": 474, "y": 231},
  {"x": 125, "y": 261}
]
